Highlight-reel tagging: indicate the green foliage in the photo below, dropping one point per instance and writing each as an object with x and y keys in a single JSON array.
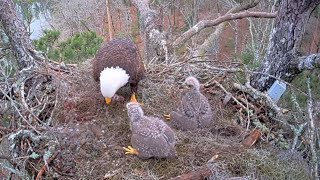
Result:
[
  {"x": 300, "y": 82},
  {"x": 248, "y": 59},
  {"x": 316, "y": 12},
  {"x": 75, "y": 49},
  {"x": 46, "y": 42},
  {"x": 80, "y": 47}
]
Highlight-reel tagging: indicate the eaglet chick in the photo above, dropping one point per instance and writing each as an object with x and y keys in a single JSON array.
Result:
[
  {"x": 194, "y": 111},
  {"x": 151, "y": 136}
]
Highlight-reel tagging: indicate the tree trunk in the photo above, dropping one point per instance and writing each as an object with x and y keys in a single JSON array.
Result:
[
  {"x": 110, "y": 30},
  {"x": 155, "y": 41},
  {"x": 284, "y": 44},
  {"x": 14, "y": 28},
  {"x": 29, "y": 85},
  {"x": 195, "y": 12}
]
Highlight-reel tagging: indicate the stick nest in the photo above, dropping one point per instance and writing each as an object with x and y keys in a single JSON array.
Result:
[{"x": 85, "y": 143}]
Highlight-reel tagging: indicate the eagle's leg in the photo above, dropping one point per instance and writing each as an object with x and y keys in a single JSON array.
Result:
[
  {"x": 134, "y": 90},
  {"x": 131, "y": 150},
  {"x": 133, "y": 98}
]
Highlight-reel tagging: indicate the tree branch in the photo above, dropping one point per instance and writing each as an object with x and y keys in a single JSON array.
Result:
[
  {"x": 312, "y": 128},
  {"x": 308, "y": 62},
  {"x": 209, "y": 23},
  {"x": 110, "y": 30},
  {"x": 212, "y": 41},
  {"x": 259, "y": 96}
]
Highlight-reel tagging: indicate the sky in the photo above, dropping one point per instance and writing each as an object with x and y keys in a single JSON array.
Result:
[{"x": 37, "y": 26}]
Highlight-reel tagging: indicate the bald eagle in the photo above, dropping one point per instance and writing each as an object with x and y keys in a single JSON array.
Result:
[{"x": 117, "y": 63}]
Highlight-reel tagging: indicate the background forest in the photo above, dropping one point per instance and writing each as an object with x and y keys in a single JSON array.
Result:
[{"x": 52, "y": 119}]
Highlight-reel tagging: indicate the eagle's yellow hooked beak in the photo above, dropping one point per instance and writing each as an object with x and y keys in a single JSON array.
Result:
[{"x": 108, "y": 100}]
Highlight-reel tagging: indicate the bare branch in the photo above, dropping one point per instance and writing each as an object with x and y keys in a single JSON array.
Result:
[
  {"x": 285, "y": 40},
  {"x": 229, "y": 94},
  {"x": 314, "y": 157},
  {"x": 248, "y": 5},
  {"x": 213, "y": 40},
  {"x": 209, "y": 23},
  {"x": 110, "y": 30},
  {"x": 259, "y": 96},
  {"x": 233, "y": 70},
  {"x": 18, "y": 111}
]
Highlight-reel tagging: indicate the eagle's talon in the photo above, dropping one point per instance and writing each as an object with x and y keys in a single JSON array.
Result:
[
  {"x": 167, "y": 117},
  {"x": 130, "y": 150},
  {"x": 134, "y": 99}
]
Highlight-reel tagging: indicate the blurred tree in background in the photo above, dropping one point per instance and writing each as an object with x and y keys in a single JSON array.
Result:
[{"x": 75, "y": 49}]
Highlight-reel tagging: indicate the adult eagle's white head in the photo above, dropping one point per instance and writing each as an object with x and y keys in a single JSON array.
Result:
[{"x": 111, "y": 79}]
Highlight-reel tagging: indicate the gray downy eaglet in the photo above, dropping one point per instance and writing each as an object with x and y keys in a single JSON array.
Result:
[
  {"x": 151, "y": 136},
  {"x": 194, "y": 111}
]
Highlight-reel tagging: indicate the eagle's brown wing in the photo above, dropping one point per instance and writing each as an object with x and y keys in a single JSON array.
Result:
[{"x": 119, "y": 52}]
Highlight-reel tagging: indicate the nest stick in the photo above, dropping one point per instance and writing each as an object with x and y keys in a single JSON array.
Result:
[
  {"x": 228, "y": 93},
  {"x": 43, "y": 169}
]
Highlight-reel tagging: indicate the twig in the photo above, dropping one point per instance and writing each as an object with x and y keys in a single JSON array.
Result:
[
  {"x": 258, "y": 96},
  {"x": 229, "y": 94},
  {"x": 17, "y": 172},
  {"x": 297, "y": 132},
  {"x": 6, "y": 129},
  {"x": 24, "y": 102},
  {"x": 234, "y": 70},
  {"x": 314, "y": 157},
  {"x": 53, "y": 110},
  {"x": 62, "y": 173},
  {"x": 295, "y": 102},
  {"x": 7, "y": 158},
  {"x": 18, "y": 111},
  {"x": 43, "y": 169},
  {"x": 22, "y": 134}
]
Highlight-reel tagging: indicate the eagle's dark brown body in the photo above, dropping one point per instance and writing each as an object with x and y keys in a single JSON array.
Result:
[{"x": 122, "y": 53}]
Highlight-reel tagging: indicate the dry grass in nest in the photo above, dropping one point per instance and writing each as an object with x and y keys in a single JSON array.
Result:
[{"x": 160, "y": 92}]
